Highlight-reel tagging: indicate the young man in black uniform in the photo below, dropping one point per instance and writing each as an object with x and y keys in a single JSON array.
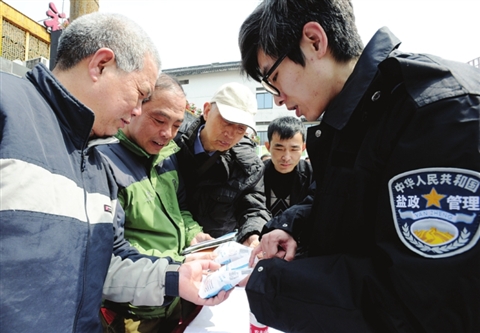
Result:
[{"x": 393, "y": 227}]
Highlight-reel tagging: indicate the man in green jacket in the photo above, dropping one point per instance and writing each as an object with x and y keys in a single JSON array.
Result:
[{"x": 151, "y": 192}]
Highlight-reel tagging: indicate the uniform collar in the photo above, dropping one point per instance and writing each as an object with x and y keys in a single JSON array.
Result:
[{"x": 377, "y": 50}]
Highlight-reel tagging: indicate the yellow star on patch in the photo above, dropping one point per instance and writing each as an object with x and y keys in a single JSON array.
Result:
[{"x": 433, "y": 198}]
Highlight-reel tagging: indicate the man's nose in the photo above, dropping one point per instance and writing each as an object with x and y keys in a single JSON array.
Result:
[
  {"x": 166, "y": 132},
  {"x": 228, "y": 131},
  {"x": 137, "y": 110},
  {"x": 279, "y": 100}
]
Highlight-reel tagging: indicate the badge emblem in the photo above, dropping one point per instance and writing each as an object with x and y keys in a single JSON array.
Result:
[{"x": 436, "y": 210}]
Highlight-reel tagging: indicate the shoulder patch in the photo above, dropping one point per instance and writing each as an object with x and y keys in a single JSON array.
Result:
[{"x": 436, "y": 210}]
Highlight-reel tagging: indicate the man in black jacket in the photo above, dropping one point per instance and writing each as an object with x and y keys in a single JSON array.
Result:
[
  {"x": 393, "y": 226},
  {"x": 220, "y": 167},
  {"x": 287, "y": 177}
]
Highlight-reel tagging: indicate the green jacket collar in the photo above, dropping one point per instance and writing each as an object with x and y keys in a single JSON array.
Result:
[{"x": 170, "y": 149}]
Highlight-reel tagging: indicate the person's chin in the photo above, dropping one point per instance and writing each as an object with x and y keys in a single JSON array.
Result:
[
  {"x": 109, "y": 133},
  {"x": 154, "y": 151},
  {"x": 286, "y": 170},
  {"x": 223, "y": 147},
  {"x": 114, "y": 129}
]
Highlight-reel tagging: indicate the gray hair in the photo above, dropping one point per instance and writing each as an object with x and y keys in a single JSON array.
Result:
[
  {"x": 88, "y": 33},
  {"x": 168, "y": 83}
]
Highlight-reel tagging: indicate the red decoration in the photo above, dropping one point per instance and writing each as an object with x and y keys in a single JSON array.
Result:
[{"x": 53, "y": 23}]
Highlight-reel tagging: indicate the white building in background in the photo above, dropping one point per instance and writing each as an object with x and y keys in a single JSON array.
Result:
[
  {"x": 201, "y": 82},
  {"x": 475, "y": 62}
]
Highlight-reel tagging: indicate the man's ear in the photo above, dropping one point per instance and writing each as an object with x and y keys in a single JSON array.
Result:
[
  {"x": 206, "y": 110},
  {"x": 267, "y": 145},
  {"x": 304, "y": 146},
  {"x": 99, "y": 61},
  {"x": 314, "y": 38}
]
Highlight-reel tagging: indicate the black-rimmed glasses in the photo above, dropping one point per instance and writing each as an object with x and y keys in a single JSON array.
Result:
[{"x": 266, "y": 84}]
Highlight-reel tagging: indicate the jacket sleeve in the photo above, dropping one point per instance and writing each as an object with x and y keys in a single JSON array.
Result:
[
  {"x": 136, "y": 278},
  {"x": 332, "y": 286},
  {"x": 157, "y": 253},
  {"x": 251, "y": 212},
  {"x": 192, "y": 228}
]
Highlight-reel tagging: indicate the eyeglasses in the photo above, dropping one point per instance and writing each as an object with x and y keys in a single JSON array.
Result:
[{"x": 266, "y": 84}]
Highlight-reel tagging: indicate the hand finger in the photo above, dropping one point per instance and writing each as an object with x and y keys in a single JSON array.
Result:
[
  {"x": 222, "y": 296},
  {"x": 256, "y": 250},
  {"x": 270, "y": 248},
  {"x": 263, "y": 255},
  {"x": 280, "y": 254},
  {"x": 209, "y": 265},
  {"x": 290, "y": 253},
  {"x": 253, "y": 258},
  {"x": 253, "y": 255}
]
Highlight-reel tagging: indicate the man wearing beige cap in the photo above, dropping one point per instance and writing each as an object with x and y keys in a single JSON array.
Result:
[{"x": 221, "y": 168}]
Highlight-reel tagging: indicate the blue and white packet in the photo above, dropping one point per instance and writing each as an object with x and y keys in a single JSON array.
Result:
[{"x": 234, "y": 257}]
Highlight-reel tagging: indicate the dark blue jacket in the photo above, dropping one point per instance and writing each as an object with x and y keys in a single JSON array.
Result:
[{"x": 59, "y": 237}]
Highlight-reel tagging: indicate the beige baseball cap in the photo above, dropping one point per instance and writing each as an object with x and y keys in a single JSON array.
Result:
[{"x": 236, "y": 104}]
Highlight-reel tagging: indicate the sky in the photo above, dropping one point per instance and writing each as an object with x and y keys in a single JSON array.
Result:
[{"x": 201, "y": 32}]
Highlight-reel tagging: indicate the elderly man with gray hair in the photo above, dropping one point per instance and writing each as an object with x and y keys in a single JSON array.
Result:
[{"x": 62, "y": 247}]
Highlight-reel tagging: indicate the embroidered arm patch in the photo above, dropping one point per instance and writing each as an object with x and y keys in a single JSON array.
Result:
[{"x": 436, "y": 210}]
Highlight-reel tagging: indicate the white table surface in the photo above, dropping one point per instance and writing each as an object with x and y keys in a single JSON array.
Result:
[{"x": 231, "y": 316}]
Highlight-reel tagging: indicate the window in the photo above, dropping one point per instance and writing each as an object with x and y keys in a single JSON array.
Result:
[
  {"x": 264, "y": 100},
  {"x": 263, "y": 137}
]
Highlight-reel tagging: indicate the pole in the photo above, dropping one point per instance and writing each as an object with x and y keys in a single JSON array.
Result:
[{"x": 82, "y": 7}]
